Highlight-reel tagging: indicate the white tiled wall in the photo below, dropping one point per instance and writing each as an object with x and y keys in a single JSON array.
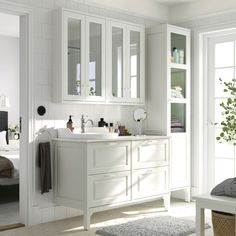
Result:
[{"x": 42, "y": 206}]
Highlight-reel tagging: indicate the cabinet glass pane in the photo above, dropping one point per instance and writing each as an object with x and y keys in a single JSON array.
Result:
[
  {"x": 178, "y": 48},
  {"x": 74, "y": 56},
  {"x": 95, "y": 59},
  {"x": 178, "y": 83},
  {"x": 117, "y": 62},
  {"x": 135, "y": 64},
  {"x": 178, "y": 117}
]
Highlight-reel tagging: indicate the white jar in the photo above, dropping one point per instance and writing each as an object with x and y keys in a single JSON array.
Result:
[
  {"x": 181, "y": 56},
  {"x": 175, "y": 55}
]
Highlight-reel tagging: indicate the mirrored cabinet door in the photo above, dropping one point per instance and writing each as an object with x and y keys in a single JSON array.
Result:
[
  {"x": 74, "y": 50},
  {"x": 117, "y": 61},
  {"x": 95, "y": 58},
  {"x": 136, "y": 63}
]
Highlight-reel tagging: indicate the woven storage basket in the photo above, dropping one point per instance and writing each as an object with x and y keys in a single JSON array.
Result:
[{"x": 223, "y": 224}]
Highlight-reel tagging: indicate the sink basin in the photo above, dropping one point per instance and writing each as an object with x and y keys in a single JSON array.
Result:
[{"x": 99, "y": 134}]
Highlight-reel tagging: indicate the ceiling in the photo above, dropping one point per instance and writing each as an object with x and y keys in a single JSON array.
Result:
[
  {"x": 11, "y": 28},
  {"x": 174, "y": 2}
]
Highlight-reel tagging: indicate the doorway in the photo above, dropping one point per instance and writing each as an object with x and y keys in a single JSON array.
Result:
[
  {"x": 9, "y": 115},
  {"x": 26, "y": 128},
  {"x": 221, "y": 62}
]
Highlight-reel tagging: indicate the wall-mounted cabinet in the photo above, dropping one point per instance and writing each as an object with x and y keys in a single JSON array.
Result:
[
  {"x": 168, "y": 66},
  {"x": 97, "y": 59},
  {"x": 79, "y": 72},
  {"x": 125, "y": 60}
]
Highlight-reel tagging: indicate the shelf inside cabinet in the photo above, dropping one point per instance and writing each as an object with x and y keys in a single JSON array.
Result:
[
  {"x": 178, "y": 118},
  {"x": 178, "y": 66},
  {"x": 178, "y": 100}
]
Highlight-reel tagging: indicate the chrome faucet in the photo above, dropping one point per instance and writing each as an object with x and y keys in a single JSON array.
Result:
[{"x": 84, "y": 122}]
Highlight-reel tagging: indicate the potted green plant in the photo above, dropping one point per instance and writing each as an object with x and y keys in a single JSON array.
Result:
[{"x": 228, "y": 123}]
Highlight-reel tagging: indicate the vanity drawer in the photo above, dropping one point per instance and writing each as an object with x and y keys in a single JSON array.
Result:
[
  {"x": 150, "y": 153},
  {"x": 109, "y": 157},
  {"x": 150, "y": 182},
  {"x": 109, "y": 188}
]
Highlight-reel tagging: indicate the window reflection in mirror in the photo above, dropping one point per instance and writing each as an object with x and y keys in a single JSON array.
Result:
[
  {"x": 95, "y": 59},
  {"x": 135, "y": 64},
  {"x": 74, "y": 56},
  {"x": 117, "y": 62}
]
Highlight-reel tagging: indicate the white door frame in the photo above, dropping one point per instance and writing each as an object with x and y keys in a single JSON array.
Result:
[
  {"x": 26, "y": 103},
  {"x": 212, "y": 40},
  {"x": 200, "y": 38}
]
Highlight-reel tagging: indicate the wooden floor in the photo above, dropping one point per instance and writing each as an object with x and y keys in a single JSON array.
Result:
[{"x": 74, "y": 226}]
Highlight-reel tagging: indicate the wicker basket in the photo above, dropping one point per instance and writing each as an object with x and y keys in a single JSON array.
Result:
[{"x": 223, "y": 224}]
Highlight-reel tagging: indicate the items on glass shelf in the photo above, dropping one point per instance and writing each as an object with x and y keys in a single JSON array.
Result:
[
  {"x": 181, "y": 56},
  {"x": 177, "y": 56},
  {"x": 176, "y": 125},
  {"x": 176, "y": 92}
]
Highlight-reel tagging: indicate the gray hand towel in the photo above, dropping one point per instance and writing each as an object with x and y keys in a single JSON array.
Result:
[
  {"x": 225, "y": 188},
  {"x": 44, "y": 161}
]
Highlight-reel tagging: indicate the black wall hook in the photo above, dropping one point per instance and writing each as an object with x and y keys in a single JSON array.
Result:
[{"x": 41, "y": 110}]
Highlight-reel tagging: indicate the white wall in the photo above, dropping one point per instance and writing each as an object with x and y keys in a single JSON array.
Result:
[
  {"x": 200, "y": 8},
  {"x": 145, "y": 8},
  {"x": 9, "y": 75}
]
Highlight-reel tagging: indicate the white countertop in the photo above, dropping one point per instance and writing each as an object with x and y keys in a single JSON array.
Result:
[{"x": 119, "y": 138}]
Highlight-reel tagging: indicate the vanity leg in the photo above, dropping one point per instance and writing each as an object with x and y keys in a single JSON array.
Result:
[
  {"x": 87, "y": 220},
  {"x": 166, "y": 199},
  {"x": 187, "y": 195},
  {"x": 200, "y": 221}
]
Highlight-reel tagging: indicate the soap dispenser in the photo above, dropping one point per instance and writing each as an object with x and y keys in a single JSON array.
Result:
[
  {"x": 101, "y": 123},
  {"x": 69, "y": 124}
]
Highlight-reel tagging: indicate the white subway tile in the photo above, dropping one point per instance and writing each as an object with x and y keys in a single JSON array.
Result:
[
  {"x": 59, "y": 3},
  {"x": 42, "y": 15},
  {"x": 83, "y": 7},
  {"x": 72, "y": 4},
  {"x": 47, "y": 31},
  {"x": 48, "y": 4}
]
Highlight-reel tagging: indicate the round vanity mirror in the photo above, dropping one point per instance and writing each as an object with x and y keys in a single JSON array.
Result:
[{"x": 140, "y": 115}]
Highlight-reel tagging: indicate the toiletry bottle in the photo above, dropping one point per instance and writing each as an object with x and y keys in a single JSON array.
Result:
[
  {"x": 111, "y": 130},
  {"x": 69, "y": 124},
  {"x": 116, "y": 128},
  {"x": 101, "y": 123},
  {"x": 175, "y": 55}
]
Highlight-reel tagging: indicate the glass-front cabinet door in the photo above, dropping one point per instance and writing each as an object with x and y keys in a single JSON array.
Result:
[
  {"x": 126, "y": 63},
  {"x": 136, "y": 60},
  {"x": 116, "y": 61},
  {"x": 74, "y": 49},
  {"x": 84, "y": 58},
  {"x": 95, "y": 60}
]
